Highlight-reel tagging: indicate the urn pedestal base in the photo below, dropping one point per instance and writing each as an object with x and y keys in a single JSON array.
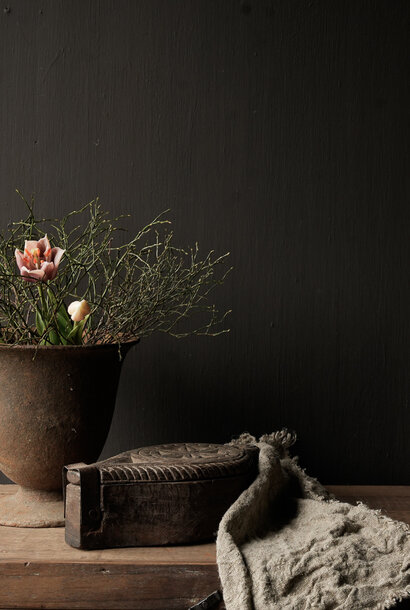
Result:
[{"x": 32, "y": 508}]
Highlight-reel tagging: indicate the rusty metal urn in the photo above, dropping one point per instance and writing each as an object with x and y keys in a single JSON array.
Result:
[{"x": 56, "y": 407}]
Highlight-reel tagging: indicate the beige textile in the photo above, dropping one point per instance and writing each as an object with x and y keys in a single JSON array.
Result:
[{"x": 286, "y": 544}]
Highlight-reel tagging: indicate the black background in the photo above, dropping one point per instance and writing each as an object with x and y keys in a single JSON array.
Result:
[{"x": 278, "y": 131}]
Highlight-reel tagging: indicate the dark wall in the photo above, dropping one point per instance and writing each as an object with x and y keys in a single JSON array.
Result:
[{"x": 277, "y": 130}]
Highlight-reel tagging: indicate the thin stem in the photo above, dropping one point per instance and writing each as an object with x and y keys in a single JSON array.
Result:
[{"x": 134, "y": 288}]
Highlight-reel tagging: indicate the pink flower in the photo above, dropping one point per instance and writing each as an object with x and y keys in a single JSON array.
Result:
[{"x": 40, "y": 261}]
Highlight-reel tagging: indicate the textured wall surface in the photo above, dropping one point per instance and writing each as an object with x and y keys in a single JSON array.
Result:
[{"x": 277, "y": 130}]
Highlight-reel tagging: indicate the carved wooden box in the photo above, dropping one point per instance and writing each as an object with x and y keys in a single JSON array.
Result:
[{"x": 159, "y": 495}]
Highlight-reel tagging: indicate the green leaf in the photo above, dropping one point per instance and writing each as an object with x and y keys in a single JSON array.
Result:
[
  {"x": 63, "y": 313},
  {"x": 40, "y": 325},
  {"x": 53, "y": 337},
  {"x": 61, "y": 320},
  {"x": 63, "y": 332},
  {"x": 51, "y": 297},
  {"x": 76, "y": 335},
  {"x": 64, "y": 326}
]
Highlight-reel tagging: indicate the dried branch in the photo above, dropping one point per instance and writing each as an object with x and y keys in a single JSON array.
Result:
[{"x": 133, "y": 288}]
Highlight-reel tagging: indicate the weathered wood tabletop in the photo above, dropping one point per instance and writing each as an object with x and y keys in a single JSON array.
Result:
[{"x": 38, "y": 570}]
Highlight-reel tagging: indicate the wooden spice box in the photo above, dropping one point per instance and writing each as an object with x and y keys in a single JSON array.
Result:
[{"x": 159, "y": 495}]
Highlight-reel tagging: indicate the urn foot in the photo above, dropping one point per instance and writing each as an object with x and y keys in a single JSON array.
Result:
[{"x": 32, "y": 508}]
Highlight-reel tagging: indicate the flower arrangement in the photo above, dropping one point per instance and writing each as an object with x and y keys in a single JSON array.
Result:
[{"x": 72, "y": 281}]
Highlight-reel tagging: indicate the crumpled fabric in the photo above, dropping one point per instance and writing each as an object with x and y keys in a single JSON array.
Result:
[{"x": 287, "y": 544}]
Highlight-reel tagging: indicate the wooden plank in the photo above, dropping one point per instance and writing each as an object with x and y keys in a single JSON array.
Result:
[
  {"x": 36, "y": 545},
  {"x": 105, "y": 586},
  {"x": 371, "y": 491},
  {"x": 392, "y": 500},
  {"x": 38, "y": 570}
]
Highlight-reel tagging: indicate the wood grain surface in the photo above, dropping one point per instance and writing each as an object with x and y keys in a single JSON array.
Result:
[
  {"x": 38, "y": 570},
  {"x": 277, "y": 130}
]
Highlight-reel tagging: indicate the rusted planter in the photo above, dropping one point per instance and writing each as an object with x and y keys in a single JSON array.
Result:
[{"x": 55, "y": 409}]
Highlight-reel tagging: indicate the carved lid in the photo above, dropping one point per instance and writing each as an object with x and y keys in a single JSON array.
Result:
[{"x": 178, "y": 462}]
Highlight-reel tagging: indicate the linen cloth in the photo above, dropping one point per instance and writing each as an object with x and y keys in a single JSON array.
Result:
[{"x": 287, "y": 544}]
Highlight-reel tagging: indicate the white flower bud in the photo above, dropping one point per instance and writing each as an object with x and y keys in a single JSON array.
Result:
[{"x": 78, "y": 310}]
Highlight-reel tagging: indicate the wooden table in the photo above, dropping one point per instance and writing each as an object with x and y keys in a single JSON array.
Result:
[{"x": 38, "y": 570}]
